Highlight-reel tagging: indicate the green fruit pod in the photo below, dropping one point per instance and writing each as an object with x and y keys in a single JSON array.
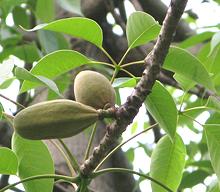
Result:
[
  {"x": 54, "y": 119},
  {"x": 94, "y": 89}
]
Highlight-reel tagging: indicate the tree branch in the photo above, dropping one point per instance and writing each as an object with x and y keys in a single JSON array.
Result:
[{"x": 129, "y": 110}]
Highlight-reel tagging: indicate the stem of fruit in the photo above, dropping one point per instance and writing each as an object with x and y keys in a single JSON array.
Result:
[
  {"x": 14, "y": 102},
  {"x": 121, "y": 144},
  {"x": 90, "y": 141},
  {"x": 73, "y": 160},
  {"x": 46, "y": 176},
  {"x": 123, "y": 170},
  {"x": 64, "y": 156}
]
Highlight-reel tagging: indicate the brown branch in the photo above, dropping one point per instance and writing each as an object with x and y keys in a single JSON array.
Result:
[
  {"x": 14, "y": 102},
  {"x": 129, "y": 110}
]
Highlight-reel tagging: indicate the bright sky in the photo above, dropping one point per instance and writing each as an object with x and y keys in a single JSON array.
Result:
[{"x": 209, "y": 14}]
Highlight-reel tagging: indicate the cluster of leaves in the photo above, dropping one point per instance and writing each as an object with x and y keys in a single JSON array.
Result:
[{"x": 171, "y": 159}]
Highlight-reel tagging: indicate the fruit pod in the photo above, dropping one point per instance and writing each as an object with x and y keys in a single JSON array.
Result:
[
  {"x": 94, "y": 89},
  {"x": 54, "y": 119}
]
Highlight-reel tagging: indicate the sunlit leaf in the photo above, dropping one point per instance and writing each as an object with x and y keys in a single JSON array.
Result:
[
  {"x": 213, "y": 103},
  {"x": 212, "y": 132},
  {"x": 167, "y": 163},
  {"x": 195, "y": 39},
  {"x": 45, "y": 10},
  {"x": 83, "y": 28},
  {"x": 141, "y": 28},
  {"x": 161, "y": 106},
  {"x": 124, "y": 82},
  {"x": 55, "y": 64},
  {"x": 52, "y": 41},
  {"x": 186, "y": 84},
  {"x": 8, "y": 161},
  {"x": 214, "y": 187},
  {"x": 7, "y": 83},
  {"x": 23, "y": 74},
  {"x": 33, "y": 159},
  {"x": 185, "y": 64},
  {"x": 6, "y": 68},
  {"x": 189, "y": 180},
  {"x": 215, "y": 41}
]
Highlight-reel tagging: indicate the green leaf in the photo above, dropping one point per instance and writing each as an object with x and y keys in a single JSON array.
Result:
[
  {"x": 130, "y": 154},
  {"x": 203, "y": 52},
  {"x": 33, "y": 159},
  {"x": 124, "y": 82},
  {"x": 167, "y": 163},
  {"x": 7, "y": 6},
  {"x": 191, "y": 179},
  {"x": 185, "y": 64},
  {"x": 72, "y": 6},
  {"x": 212, "y": 62},
  {"x": 80, "y": 27},
  {"x": 9, "y": 36},
  {"x": 213, "y": 139},
  {"x": 214, "y": 188},
  {"x": 8, "y": 161},
  {"x": 118, "y": 97},
  {"x": 63, "y": 82},
  {"x": 214, "y": 42},
  {"x": 204, "y": 165},
  {"x": 213, "y": 103},
  {"x": 20, "y": 17},
  {"x": 161, "y": 106},
  {"x": 1, "y": 110},
  {"x": 51, "y": 41},
  {"x": 141, "y": 28},
  {"x": 27, "y": 52},
  {"x": 186, "y": 84},
  {"x": 55, "y": 64},
  {"x": 24, "y": 74},
  {"x": 134, "y": 127},
  {"x": 45, "y": 10},
  {"x": 6, "y": 68},
  {"x": 195, "y": 39},
  {"x": 7, "y": 83}
]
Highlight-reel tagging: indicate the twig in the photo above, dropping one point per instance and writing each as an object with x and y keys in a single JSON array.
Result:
[
  {"x": 16, "y": 103},
  {"x": 72, "y": 171},
  {"x": 121, "y": 144},
  {"x": 126, "y": 113},
  {"x": 123, "y": 170},
  {"x": 46, "y": 176},
  {"x": 73, "y": 160},
  {"x": 90, "y": 141}
]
